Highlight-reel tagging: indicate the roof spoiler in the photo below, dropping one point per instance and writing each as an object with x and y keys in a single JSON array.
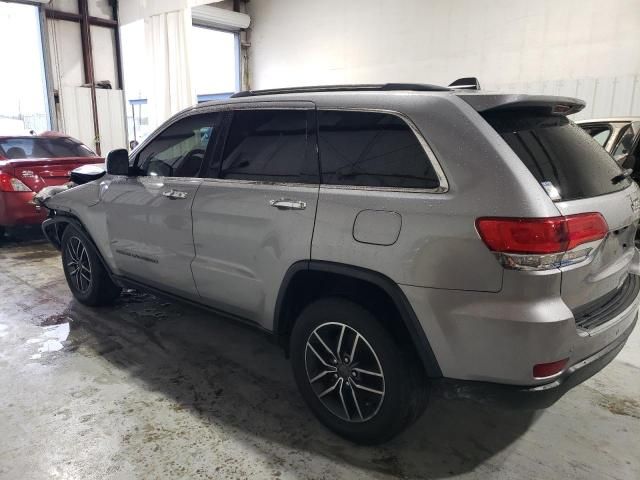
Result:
[
  {"x": 492, "y": 102},
  {"x": 466, "y": 83}
]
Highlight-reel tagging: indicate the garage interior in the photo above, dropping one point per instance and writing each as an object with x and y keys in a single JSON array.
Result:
[{"x": 151, "y": 388}]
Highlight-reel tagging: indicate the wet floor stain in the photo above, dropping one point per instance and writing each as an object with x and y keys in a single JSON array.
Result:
[
  {"x": 51, "y": 340},
  {"x": 621, "y": 406},
  {"x": 55, "y": 319},
  {"x": 36, "y": 255},
  {"x": 146, "y": 389}
]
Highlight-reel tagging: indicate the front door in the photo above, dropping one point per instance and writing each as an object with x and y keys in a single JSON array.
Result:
[
  {"x": 254, "y": 216},
  {"x": 149, "y": 215}
]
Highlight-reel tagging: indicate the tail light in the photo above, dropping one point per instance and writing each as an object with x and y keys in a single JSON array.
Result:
[
  {"x": 9, "y": 183},
  {"x": 541, "y": 243}
]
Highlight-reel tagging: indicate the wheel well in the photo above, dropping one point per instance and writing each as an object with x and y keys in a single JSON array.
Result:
[
  {"x": 307, "y": 285},
  {"x": 54, "y": 230}
]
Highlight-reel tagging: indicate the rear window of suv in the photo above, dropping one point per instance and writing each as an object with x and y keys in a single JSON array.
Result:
[{"x": 567, "y": 162}]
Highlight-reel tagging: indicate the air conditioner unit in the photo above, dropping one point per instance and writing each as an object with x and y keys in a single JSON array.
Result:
[{"x": 219, "y": 18}]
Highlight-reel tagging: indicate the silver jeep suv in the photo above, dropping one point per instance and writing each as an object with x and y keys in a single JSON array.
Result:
[{"x": 383, "y": 234}]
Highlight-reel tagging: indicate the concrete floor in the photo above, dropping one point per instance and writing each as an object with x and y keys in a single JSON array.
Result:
[{"x": 149, "y": 389}]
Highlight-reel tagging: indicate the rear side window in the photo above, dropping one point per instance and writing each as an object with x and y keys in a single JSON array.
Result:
[
  {"x": 566, "y": 161},
  {"x": 269, "y": 146},
  {"x": 42, "y": 147},
  {"x": 372, "y": 149}
]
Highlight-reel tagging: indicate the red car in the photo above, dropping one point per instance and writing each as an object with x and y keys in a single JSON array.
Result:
[{"x": 30, "y": 163}]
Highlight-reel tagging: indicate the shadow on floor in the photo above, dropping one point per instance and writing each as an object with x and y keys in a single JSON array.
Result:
[
  {"x": 21, "y": 236},
  {"x": 234, "y": 376}
]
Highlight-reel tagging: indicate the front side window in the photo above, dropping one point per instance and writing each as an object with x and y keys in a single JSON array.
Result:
[
  {"x": 42, "y": 147},
  {"x": 269, "y": 146},
  {"x": 372, "y": 149},
  {"x": 179, "y": 150}
]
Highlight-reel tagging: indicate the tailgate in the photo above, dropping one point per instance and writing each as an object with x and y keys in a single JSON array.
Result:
[
  {"x": 580, "y": 177},
  {"x": 610, "y": 262}
]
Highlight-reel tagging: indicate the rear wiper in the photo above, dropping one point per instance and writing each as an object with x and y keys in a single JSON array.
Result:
[{"x": 625, "y": 174}]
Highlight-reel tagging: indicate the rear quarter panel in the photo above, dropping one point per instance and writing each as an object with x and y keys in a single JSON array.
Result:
[{"x": 438, "y": 245}]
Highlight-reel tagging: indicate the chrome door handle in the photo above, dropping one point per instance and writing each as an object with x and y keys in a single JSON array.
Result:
[
  {"x": 286, "y": 204},
  {"x": 174, "y": 194}
]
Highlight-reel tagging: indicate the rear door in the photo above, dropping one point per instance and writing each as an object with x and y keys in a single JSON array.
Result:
[
  {"x": 580, "y": 177},
  {"x": 149, "y": 215},
  {"x": 253, "y": 217}
]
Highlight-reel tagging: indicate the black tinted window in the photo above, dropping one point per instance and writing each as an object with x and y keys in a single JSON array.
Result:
[
  {"x": 600, "y": 133},
  {"x": 179, "y": 150},
  {"x": 41, "y": 147},
  {"x": 559, "y": 154},
  {"x": 269, "y": 145},
  {"x": 372, "y": 149}
]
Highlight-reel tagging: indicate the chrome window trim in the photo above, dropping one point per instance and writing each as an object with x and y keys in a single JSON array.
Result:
[
  {"x": 307, "y": 105},
  {"x": 262, "y": 183},
  {"x": 435, "y": 164},
  {"x": 220, "y": 108}
]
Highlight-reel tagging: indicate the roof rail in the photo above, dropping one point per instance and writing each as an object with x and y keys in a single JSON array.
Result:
[{"x": 417, "y": 87}]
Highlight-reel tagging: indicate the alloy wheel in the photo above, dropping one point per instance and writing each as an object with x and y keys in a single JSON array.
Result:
[
  {"x": 344, "y": 372},
  {"x": 78, "y": 264}
]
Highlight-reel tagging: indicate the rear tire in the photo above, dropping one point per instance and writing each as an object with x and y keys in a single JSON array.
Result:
[
  {"x": 86, "y": 276},
  {"x": 376, "y": 394}
]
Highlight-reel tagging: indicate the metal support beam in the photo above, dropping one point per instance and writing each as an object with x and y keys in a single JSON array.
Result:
[
  {"x": 48, "y": 75},
  {"x": 116, "y": 37},
  {"x": 75, "y": 17},
  {"x": 87, "y": 61}
]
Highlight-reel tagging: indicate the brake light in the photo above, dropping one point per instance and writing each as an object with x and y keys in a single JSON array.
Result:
[
  {"x": 541, "y": 235},
  {"x": 543, "y": 370},
  {"x": 9, "y": 183},
  {"x": 541, "y": 242}
]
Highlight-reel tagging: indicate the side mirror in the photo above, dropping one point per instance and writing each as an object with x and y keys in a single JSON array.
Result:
[{"x": 118, "y": 162}]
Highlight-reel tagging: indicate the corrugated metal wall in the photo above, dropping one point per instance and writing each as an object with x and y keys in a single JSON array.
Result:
[
  {"x": 584, "y": 48},
  {"x": 605, "y": 97}
]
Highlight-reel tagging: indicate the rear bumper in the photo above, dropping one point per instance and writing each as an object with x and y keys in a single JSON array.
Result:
[
  {"x": 498, "y": 338},
  {"x": 535, "y": 397},
  {"x": 15, "y": 209}
]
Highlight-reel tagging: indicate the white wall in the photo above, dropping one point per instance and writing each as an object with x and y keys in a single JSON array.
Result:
[{"x": 588, "y": 48}]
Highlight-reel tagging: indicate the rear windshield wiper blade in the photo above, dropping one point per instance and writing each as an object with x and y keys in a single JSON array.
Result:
[{"x": 625, "y": 174}]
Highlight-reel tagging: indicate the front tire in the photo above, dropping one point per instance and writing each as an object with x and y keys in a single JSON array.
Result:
[
  {"x": 352, "y": 374},
  {"x": 86, "y": 276}
]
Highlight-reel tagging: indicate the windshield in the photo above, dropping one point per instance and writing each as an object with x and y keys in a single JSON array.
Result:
[
  {"x": 566, "y": 161},
  {"x": 42, "y": 147}
]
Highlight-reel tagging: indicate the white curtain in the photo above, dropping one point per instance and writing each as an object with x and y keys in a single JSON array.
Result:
[{"x": 168, "y": 51}]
